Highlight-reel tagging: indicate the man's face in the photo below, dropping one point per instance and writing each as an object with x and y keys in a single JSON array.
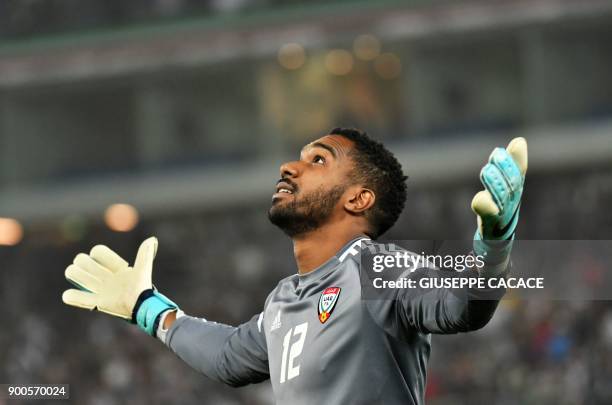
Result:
[{"x": 310, "y": 189}]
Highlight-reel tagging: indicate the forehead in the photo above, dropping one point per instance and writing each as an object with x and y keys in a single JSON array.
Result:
[{"x": 339, "y": 143}]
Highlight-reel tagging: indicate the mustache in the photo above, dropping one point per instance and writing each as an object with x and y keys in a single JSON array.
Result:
[{"x": 288, "y": 181}]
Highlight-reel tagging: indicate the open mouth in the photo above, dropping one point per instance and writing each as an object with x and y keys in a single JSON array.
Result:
[{"x": 283, "y": 188}]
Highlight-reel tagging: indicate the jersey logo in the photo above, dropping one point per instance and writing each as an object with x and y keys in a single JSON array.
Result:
[
  {"x": 327, "y": 302},
  {"x": 276, "y": 323}
]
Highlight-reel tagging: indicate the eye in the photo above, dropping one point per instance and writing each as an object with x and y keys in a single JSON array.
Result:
[{"x": 318, "y": 159}]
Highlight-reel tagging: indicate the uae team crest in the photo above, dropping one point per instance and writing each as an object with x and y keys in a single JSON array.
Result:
[{"x": 327, "y": 302}]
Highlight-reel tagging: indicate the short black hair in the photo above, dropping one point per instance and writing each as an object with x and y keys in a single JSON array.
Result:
[{"x": 378, "y": 169}]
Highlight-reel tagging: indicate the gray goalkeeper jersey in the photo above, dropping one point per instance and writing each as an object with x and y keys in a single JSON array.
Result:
[{"x": 320, "y": 342}]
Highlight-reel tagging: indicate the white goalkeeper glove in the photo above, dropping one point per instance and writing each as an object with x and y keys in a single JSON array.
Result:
[{"x": 107, "y": 284}]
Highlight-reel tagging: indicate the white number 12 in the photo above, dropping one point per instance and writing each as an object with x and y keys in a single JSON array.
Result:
[{"x": 290, "y": 352}]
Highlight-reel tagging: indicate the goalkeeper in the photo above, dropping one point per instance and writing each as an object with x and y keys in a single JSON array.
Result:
[{"x": 315, "y": 338}]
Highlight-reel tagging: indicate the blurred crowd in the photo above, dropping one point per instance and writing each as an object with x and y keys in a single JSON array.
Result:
[
  {"x": 221, "y": 265},
  {"x": 29, "y": 18}
]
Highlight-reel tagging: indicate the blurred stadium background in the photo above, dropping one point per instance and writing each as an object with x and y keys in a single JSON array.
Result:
[{"x": 184, "y": 110}]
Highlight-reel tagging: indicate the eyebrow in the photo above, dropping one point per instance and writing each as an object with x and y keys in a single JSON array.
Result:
[{"x": 324, "y": 146}]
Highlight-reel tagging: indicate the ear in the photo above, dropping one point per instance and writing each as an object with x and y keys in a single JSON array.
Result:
[{"x": 361, "y": 199}]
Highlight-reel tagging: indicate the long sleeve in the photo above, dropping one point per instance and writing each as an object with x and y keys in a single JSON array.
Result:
[
  {"x": 444, "y": 310},
  {"x": 233, "y": 355},
  {"x": 432, "y": 307}
]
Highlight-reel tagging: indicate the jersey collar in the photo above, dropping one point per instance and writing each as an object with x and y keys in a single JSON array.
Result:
[{"x": 351, "y": 248}]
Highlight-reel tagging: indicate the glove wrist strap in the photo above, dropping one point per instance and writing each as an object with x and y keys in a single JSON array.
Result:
[
  {"x": 493, "y": 251},
  {"x": 149, "y": 307}
]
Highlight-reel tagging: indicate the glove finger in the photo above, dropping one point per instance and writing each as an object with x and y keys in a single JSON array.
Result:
[
  {"x": 82, "y": 278},
  {"x": 86, "y": 263},
  {"x": 486, "y": 211},
  {"x": 145, "y": 256},
  {"x": 495, "y": 183},
  {"x": 517, "y": 148},
  {"x": 501, "y": 159},
  {"x": 108, "y": 258},
  {"x": 80, "y": 299},
  {"x": 483, "y": 204}
]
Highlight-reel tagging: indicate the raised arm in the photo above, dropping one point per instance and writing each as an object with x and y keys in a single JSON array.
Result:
[
  {"x": 105, "y": 281},
  {"x": 235, "y": 356},
  {"x": 446, "y": 310}
]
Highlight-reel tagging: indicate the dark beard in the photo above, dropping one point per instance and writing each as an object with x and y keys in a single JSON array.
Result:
[{"x": 299, "y": 217}]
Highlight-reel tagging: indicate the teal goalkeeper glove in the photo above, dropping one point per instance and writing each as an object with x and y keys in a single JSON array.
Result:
[
  {"x": 497, "y": 207},
  {"x": 106, "y": 283}
]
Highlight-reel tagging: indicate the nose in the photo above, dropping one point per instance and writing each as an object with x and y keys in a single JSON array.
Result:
[{"x": 289, "y": 169}]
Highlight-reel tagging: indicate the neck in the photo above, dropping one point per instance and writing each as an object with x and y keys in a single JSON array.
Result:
[{"x": 313, "y": 249}]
